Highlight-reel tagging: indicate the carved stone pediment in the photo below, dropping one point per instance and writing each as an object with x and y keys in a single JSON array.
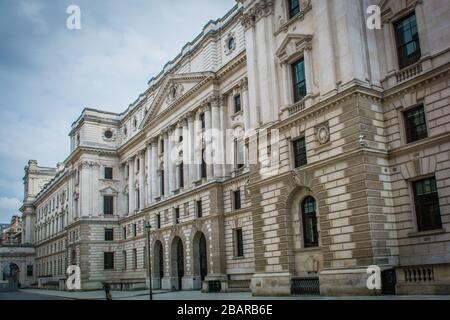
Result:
[
  {"x": 108, "y": 191},
  {"x": 293, "y": 45}
]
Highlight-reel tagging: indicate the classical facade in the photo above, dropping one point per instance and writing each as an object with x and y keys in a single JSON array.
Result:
[{"x": 285, "y": 150}]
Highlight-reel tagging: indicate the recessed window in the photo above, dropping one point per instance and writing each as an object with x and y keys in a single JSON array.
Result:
[
  {"x": 237, "y": 103},
  {"x": 134, "y": 258},
  {"x": 108, "y": 260},
  {"x": 309, "y": 219},
  {"x": 158, "y": 221},
  {"x": 181, "y": 175},
  {"x": 426, "y": 202},
  {"x": 299, "y": 147},
  {"x": 124, "y": 256},
  {"x": 199, "y": 208},
  {"x": 407, "y": 38},
  {"x": 29, "y": 270},
  {"x": 299, "y": 79},
  {"x": 239, "y": 153},
  {"x": 108, "y": 173},
  {"x": 237, "y": 199},
  {"x": 203, "y": 166},
  {"x": 161, "y": 146},
  {"x": 109, "y": 234},
  {"x": 134, "y": 123},
  {"x": 231, "y": 43},
  {"x": 415, "y": 123},
  {"x": 202, "y": 120},
  {"x": 294, "y": 8},
  {"x": 177, "y": 215},
  {"x": 134, "y": 230},
  {"x": 161, "y": 182},
  {"x": 124, "y": 233},
  {"x": 108, "y": 205},
  {"x": 108, "y": 134},
  {"x": 238, "y": 243}
]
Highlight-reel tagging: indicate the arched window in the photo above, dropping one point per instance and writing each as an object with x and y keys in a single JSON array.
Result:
[{"x": 309, "y": 219}]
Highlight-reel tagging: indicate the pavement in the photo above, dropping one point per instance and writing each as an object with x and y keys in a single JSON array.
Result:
[{"x": 41, "y": 294}]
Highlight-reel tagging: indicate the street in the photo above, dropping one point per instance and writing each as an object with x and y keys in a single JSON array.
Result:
[{"x": 19, "y": 295}]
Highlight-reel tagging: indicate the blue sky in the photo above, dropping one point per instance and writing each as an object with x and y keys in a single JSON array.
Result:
[{"x": 49, "y": 73}]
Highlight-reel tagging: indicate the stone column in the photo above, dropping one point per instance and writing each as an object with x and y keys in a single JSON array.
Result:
[
  {"x": 96, "y": 190},
  {"x": 193, "y": 167},
  {"x": 171, "y": 162},
  {"x": 245, "y": 103},
  {"x": 198, "y": 145},
  {"x": 166, "y": 164},
  {"x": 84, "y": 189},
  {"x": 150, "y": 175},
  {"x": 186, "y": 154},
  {"x": 208, "y": 146},
  {"x": 216, "y": 138},
  {"x": 154, "y": 170},
  {"x": 141, "y": 179},
  {"x": 131, "y": 185}
]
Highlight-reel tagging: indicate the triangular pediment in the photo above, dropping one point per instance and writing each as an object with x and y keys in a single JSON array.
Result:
[
  {"x": 292, "y": 44},
  {"x": 108, "y": 190},
  {"x": 172, "y": 89}
]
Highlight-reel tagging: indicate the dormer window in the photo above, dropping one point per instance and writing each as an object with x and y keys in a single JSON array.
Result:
[{"x": 294, "y": 8}]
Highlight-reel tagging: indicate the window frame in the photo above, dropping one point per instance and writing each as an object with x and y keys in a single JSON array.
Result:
[
  {"x": 238, "y": 239},
  {"x": 109, "y": 231},
  {"x": 408, "y": 138},
  {"x": 295, "y": 83},
  {"x": 106, "y": 204},
  {"x": 234, "y": 195},
  {"x": 108, "y": 265},
  {"x": 293, "y": 11},
  {"x": 109, "y": 173},
  {"x": 199, "y": 208},
  {"x": 314, "y": 218},
  {"x": 294, "y": 156},
  {"x": 415, "y": 205},
  {"x": 237, "y": 103},
  {"x": 402, "y": 64}
]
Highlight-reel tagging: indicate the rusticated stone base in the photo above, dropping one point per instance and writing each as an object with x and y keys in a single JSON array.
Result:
[
  {"x": 343, "y": 282},
  {"x": 271, "y": 284}
]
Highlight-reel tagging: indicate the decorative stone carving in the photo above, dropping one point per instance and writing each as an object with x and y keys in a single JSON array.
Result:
[
  {"x": 175, "y": 91},
  {"x": 322, "y": 133},
  {"x": 230, "y": 43}
]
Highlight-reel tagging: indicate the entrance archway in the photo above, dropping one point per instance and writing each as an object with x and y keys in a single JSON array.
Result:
[
  {"x": 158, "y": 261},
  {"x": 178, "y": 261},
  {"x": 200, "y": 255}
]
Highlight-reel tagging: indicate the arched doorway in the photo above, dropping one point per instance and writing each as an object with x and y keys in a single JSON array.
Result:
[
  {"x": 178, "y": 261},
  {"x": 200, "y": 257},
  {"x": 11, "y": 274},
  {"x": 158, "y": 262}
]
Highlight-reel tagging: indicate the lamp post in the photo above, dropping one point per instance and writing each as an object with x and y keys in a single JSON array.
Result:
[{"x": 148, "y": 228}]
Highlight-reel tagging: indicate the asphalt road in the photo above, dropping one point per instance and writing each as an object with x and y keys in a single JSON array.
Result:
[{"x": 17, "y": 295}]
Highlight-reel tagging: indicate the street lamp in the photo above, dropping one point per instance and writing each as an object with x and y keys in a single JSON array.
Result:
[{"x": 148, "y": 228}]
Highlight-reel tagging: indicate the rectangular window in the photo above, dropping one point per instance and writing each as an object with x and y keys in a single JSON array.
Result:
[
  {"x": 124, "y": 233},
  {"x": 181, "y": 175},
  {"x": 238, "y": 243},
  {"x": 109, "y": 234},
  {"x": 239, "y": 151},
  {"x": 294, "y": 8},
  {"x": 199, "y": 208},
  {"x": 299, "y": 147},
  {"x": 177, "y": 215},
  {"x": 124, "y": 256},
  {"x": 134, "y": 258},
  {"x": 202, "y": 120},
  {"x": 299, "y": 80},
  {"x": 426, "y": 202},
  {"x": 407, "y": 38},
  {"x": 237, "y": 103},
  {"x": 161, "y": 182},
  {"x": 108, "y": 205},
  {"x": 203, "y": 165},
  {"x": 108, "y": 260},
  {"x": 415, "y": 124},
  {"x": 158, "y": 221},
  {"x": 108, "y": 173},
  {"x": 29, "y": 271},
  {"x": 237, "y": 199},
  {"x": 134, "y": 230},
  {"x": 161, "y": 146}
]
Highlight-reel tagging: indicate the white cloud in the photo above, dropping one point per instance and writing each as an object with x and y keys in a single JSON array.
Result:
[{"x": 8, "y": 208}]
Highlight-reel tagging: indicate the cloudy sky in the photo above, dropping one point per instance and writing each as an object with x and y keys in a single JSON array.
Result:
[{"x": 49, "y": 73}]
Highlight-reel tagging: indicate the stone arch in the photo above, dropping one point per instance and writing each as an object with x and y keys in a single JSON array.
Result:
[
  {"x": 177, "y": 261},
  {"x": 200, "y": 256}
]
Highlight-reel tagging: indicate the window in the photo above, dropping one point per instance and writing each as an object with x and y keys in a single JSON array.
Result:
[
  {"x": 29, "y": 271},
  {"x": 203, "y": 165},
  {"x": 231, "y": 43},
  {"x": 161, "y": 146},
  {"x": 415, "y": 124},
  {"x": 309, "y": 219},
  {"x": 238, "y": 243},
  {"x": 407, "y": 38},
  {"x": 134, "y": 230},
  {"x": 138, "y": 165},
  {"x": 124, "y": 233},
  {"x": 237, "y": 199},
  {"x": 299, "y": 152},
  {"x": 177, "y": 215},
  {"x": 124, "y": 255},
  {"x": 134, "y": 258},
  {"x": 158, "y": 221},
  {"x": 202, "y": 120},
  {"x": 199, "y": 208},
  {"x": 237, "y": 103},
  {"x": 109, "y": 234},
  {"x": 108, "y": 173},
  {"x": 294, "y": 8},
  {"x": 161, "y": 182},
  {"x": 181, "y": 175},
  {"x": 108, "y": 205},
  {"x": 239, "y": 153},
  {"x": 108, "y": 260},
  {"x": 108, "y": 134},
  {"x": 426, "y": 202},
  {"x": 299, "y": 80}
]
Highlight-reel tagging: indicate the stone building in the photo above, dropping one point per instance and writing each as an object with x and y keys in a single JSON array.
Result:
[{"x": 285, "y": 149}]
